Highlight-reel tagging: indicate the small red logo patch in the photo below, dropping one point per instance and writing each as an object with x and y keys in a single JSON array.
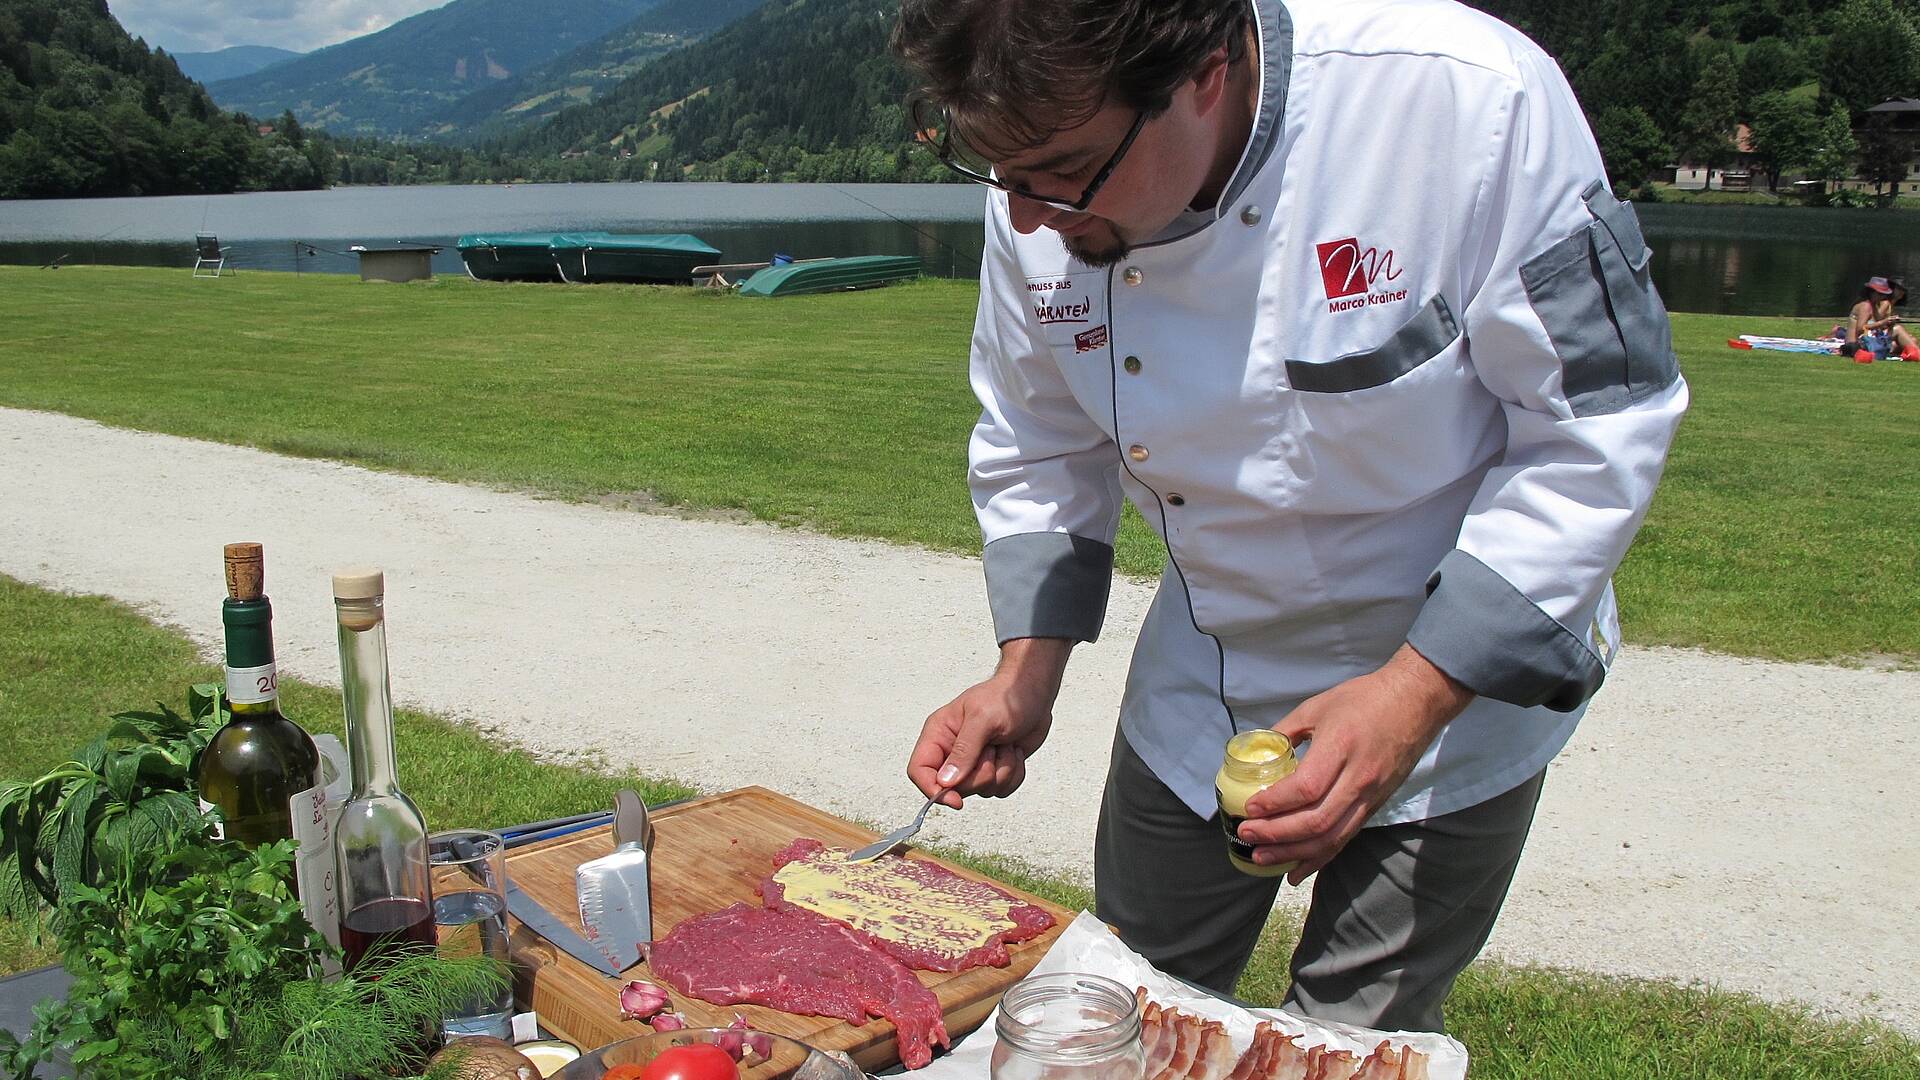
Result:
[
  {"x": 1089, "y": 340},
  {"x": 1347, "y": 269},
  {"x": 1357, "y": 277}
]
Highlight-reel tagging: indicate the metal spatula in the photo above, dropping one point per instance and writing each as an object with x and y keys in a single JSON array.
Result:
[
  {"x": 615, "y": 891},
  {"x": 898, "y": 836}
]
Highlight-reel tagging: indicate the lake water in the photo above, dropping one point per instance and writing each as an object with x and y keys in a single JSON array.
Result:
[{"x": 1741, "y": 260}]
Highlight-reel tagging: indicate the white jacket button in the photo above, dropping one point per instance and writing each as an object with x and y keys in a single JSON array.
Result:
[
  {"x": 1133, "y": 276},
  {"x": 1250, "y": 215},
  {"x": 1137, "y": 452},
  {"x": 1132, "y": 364}
]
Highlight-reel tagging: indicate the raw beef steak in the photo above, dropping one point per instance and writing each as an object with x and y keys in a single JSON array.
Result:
[
  {"x": 797, "y": 962},
  {"x": 927, "y": 916}
]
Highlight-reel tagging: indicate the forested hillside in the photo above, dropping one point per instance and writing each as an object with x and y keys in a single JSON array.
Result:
[
  {"x": 1668, "y": 80},
  {"x": 86, "y": 109},
  {"x": 797, "y": 90},
  {"x": 801, "y": 90},
  {"x": 587, "y": 72},
  {"x": 804, "y": 90},
  {"x": 395, "y": 81}
]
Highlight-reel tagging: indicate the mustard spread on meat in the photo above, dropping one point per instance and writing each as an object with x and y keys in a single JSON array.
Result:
[{"x": 890, "y": 899}]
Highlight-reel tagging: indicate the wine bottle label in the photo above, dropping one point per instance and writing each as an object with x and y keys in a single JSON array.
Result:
[
  {"x": 252, "y": 685},
  {"x": 219, "y": 830}
]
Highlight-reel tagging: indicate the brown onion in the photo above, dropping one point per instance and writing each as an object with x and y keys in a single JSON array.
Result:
[{"x": 482, "y": 1057}]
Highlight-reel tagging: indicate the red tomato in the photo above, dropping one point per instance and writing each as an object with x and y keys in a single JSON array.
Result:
[
  {"x": 696, "y": 1061},
  {"x": 625, "y": 1072}
]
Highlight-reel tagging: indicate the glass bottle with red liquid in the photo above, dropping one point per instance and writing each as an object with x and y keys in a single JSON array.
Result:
[{"x": 386, "y": 894}]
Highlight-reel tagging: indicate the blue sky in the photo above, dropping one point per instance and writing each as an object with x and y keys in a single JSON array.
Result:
[{"x": 300, "y": 25}]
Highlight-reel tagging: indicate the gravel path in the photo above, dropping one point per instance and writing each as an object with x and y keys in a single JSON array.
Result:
[{"x": 1741, "y": 823}]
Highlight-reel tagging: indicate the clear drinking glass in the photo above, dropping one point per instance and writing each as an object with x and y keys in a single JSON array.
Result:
[
  {"x": 469, "y": 869},
  {"x": 1068, "y": 1026}
]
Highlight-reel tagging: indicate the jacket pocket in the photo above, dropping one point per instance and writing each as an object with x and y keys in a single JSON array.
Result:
[
  {"x": 1594, "y": 294},
  {"x": 1423, "y": 337}
]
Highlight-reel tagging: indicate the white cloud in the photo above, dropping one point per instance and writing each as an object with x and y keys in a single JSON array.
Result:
[{"x": 302, "y": 25}]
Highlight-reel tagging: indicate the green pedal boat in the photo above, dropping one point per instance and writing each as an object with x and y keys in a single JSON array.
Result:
[{"x": 831, "y": 275}]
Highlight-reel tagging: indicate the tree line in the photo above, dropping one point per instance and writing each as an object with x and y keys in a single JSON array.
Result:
[
  {"x": 86, "y": 109},
  {"x": 1670, "y": 81},
  {"x": 805, "y": 90}
]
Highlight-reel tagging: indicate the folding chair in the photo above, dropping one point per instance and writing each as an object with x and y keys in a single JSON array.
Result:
[{"x": 208, "y": 255}]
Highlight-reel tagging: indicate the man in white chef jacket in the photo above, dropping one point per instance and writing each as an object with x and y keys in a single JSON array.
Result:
[{"x": 1336, "y": 293}]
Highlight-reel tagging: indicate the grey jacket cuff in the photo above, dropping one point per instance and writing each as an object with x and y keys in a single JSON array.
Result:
[
  {"x": 1048, "y": 584},
  {"x": 1485, "y": 633}
]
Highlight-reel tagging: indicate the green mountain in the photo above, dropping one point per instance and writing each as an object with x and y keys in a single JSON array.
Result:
[
  {"x": 588, "y": 71},
  {"x": 394, "y": 81},
  {"x": 797, "y": 89},
  {"x": 229, "y": 63},
  {"x": 87, "y": 109},
  {"x": 806, "y": 90}
]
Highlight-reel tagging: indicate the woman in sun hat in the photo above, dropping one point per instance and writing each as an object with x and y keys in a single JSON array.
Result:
[
  {"x": 1905, "y": 345},
  {"x": 1873, "y": 328}
]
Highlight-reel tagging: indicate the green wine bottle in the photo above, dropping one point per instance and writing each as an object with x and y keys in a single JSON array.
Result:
[{"x": 260, "y": 761}]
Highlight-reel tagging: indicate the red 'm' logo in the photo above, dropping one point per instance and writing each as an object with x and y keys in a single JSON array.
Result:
[{"x": 1347, "y": 269}]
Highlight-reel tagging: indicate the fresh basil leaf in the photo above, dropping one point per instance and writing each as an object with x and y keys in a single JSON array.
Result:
[
  {"x": 94, "y": 1050},
  {"x": 70, "y": 862}
]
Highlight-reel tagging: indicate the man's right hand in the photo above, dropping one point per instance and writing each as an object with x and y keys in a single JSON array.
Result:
[{"x": 978, "y": 743}]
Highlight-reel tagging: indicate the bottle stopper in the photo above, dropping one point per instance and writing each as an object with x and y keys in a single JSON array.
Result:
[
  {"x": 356, "y": 596},
  {"x": 246, "y": 572}
]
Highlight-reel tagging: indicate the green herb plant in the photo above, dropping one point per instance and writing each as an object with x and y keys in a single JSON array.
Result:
[
  {"x": 107, "y": 813},
  {"x": 192, "y": 957}
]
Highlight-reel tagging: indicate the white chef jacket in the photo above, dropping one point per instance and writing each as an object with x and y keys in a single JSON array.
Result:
[{"x": 1409, "y": 381}]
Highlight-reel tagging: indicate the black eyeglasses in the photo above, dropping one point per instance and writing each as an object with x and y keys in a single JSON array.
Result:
[{"x": 933, "y": 128}]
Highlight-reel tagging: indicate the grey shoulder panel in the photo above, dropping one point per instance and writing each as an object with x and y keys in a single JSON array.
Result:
[
  {"x": 1048, "y": 584},
  {"x": 1594, "y": 294},
  {"x": 1485, "y": 633},
  {"x": 1276, "y": 47},
  {"x": 1431, "y": 330}
]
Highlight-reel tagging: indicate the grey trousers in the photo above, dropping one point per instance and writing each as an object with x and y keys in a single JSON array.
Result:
[{"x": 1395, "y": 917}]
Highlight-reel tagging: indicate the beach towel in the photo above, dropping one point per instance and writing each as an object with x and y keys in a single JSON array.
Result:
[{"x": 1826, "y": 346}]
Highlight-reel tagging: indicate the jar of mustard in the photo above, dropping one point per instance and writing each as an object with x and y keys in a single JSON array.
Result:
[{"x": 1255, "y": 760}]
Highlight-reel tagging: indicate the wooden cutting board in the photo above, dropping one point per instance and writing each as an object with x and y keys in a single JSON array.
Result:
[{"x": 708, "y": 854}]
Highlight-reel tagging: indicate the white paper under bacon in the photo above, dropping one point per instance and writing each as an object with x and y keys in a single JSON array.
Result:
[{"x": 1261, "y": 1044}]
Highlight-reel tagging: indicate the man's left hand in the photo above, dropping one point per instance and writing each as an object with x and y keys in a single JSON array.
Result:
[{"x": 1368, "y": 733}]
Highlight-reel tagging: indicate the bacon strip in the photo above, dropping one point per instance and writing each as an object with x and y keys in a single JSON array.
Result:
[
  {"x": 1273, "y": 1055},
  {"x": 1387, "y": 1064},
  {"x": 1183, "y": 1047},
  {"x": 1326, "y": 1064}
]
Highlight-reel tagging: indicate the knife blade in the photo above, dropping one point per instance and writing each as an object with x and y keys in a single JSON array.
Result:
[
  {"x": 615, "y": 891},
  {"x": 543, "y": 922}
]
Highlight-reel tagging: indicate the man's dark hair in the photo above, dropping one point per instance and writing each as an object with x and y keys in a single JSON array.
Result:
[{"x": 1026, "y": 69}]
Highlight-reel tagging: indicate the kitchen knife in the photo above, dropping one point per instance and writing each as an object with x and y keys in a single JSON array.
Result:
[
  {"x": 543, "y": 922},
  {"x": 615, "y": 891}
]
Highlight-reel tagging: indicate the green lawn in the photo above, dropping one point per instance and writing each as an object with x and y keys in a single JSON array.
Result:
[
  {"x": 1785, "y": 529},
  {"x": 65, "y": 661}
]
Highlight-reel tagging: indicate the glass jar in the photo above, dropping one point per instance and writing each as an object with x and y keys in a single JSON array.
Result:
[
  {"x": 1068, "y": 1026},
  {"x": 1255, "y": 760}
]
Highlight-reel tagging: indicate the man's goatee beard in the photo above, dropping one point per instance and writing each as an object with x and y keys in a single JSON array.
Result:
[{"x": 1098, "y": 257}]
